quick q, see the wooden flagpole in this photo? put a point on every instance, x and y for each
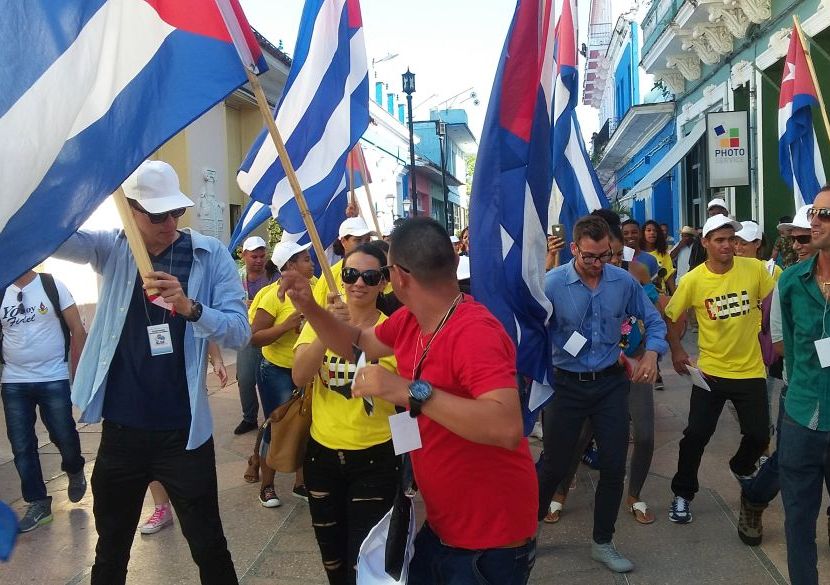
(134, 239)
(364, 175)
(352, 198)
(806, 48)
(271, 124)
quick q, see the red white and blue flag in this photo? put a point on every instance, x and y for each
(512, 189)
(91, 88)
(799, 158)
(574, 173)
(323, 112)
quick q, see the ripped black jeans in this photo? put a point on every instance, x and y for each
(348, 493)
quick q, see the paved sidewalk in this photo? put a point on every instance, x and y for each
(277, 546)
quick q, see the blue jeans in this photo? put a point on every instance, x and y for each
(802, 455)
(19, 402)
(604, 402)
(275, 388)
(435, 563)
(247, 375)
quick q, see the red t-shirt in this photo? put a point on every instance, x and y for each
(477, 496)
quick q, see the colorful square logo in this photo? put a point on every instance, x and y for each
(730, 139)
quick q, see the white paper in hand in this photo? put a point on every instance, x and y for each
(406, 436)
(698, 379)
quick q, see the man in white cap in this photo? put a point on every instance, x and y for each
(254, 278)
(456, 244)
(352, 233)
(697, 255)
(725, 293)
(143, 371)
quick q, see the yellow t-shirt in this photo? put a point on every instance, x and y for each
(321, 289)
(338, 422)
(728, 316)
(664, 261)
(281, 351)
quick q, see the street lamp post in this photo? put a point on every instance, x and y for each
(442, 142)
(409, 89)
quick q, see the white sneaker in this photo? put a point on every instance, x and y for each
(268, 497)
(162, 516)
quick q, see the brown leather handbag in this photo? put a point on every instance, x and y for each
(290, 430)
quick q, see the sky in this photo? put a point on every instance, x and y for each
(452, 46)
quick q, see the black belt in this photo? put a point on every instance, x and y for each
(614, 370)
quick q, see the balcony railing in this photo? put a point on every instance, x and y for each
(601, 138)
(658, 17)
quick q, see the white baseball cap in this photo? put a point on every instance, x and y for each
(285, 250)
(454, 239)
(354, 226)
(253, 243)
(799, 221)
(718, 221)
(717, 202)
(750, 231)
(155, 186)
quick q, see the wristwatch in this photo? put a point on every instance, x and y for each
(419, 392)
(196, 311)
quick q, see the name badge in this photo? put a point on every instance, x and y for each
(406, 436)
(161, 342)
(575, 343)
(823, 351)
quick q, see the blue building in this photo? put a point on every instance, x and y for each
(635, 132)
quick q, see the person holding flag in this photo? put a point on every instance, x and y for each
(143, 371)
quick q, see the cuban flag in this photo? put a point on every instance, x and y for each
(91, 88)
(323, 112)
(257, 213)
(798, 154)
(512, 189)
(574, 173)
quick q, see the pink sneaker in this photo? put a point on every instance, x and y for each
(162, 516)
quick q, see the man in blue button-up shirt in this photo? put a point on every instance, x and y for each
(591, 299)
(143, 370)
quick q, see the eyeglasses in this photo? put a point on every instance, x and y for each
(803, 239)
(370, 277)
(822, 212)
(593, 258)
(398, 266)
(21, 308)
(158, 218)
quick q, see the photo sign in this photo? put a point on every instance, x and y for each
(727, 138)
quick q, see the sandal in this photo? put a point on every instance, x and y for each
(554, 513)
(641, 513)
(252, 473)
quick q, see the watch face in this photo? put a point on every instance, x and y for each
(420, 390)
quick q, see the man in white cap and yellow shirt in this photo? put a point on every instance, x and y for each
(697, 256)
(143, 371)
(725, 292)
(254, 278)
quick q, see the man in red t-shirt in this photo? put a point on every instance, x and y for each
(474, 469)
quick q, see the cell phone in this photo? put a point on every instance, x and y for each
(557, 230)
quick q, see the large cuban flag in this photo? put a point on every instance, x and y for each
(90, 89)
(574, 173)
(512, 189)
(799, 158)
(323, 112)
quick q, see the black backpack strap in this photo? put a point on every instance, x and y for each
(51, 290)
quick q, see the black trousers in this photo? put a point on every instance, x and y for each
(605, 403)
(749, 396)
(348, 493)
(128, 460)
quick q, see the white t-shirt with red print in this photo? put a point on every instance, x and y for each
(33, 343)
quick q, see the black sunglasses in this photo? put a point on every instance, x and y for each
(822, 212)
(370, 277)
(803, 239)
(157, 218)
(21, 308)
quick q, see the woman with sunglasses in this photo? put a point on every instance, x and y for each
(275, 327)
(351, 471)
